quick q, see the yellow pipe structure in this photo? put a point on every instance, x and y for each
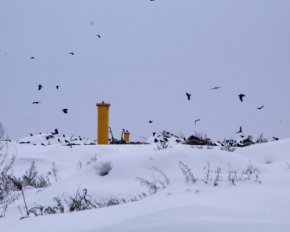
(103, 122)
(126, 136)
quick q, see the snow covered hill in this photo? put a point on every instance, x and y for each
(145, 188)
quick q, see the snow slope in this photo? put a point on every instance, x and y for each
(251, 205)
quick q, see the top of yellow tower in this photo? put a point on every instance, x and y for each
(103, 104)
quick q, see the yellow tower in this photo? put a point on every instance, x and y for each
(103, 122)
(126, 136)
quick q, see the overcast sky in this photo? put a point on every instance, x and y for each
(149, 55)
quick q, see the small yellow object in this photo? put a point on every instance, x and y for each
(103, 122)
(126, 136)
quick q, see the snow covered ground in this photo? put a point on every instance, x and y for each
(247, 202)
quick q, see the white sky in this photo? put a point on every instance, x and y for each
(149, 55)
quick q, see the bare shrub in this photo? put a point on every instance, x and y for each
(7, 196)
(217, 177)
(160, 177)
(207, 174)
(250, 172)
(150, 185)
(229, 145)
(261, 139)
(160, 181)
(31, 178)
(189, 177)
(80, 202)
(93, 159)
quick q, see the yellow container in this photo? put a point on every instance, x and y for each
(126, 136)
(103, 123)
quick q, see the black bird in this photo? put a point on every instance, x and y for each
(32, 58)
(42, 144)
(241, 97)
(195, 121)
(261, 107)
(40, 87)
(57, 86)
(215, 88)
(155, 140)
(188, 95)
(99, 36)
(58, 140)
(150, 121)
(242, 136)
(275, 138)
(240, 130)
(154, 133)
(31, 134)
(56, 131)
(37, 102)
(65, 111)
(71, 53)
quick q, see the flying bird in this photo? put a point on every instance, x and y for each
(71, 53)
(195, 121)
(188, 95)
(65, 111)
(241, 97)
(40, 87)
(37, 102)
(150, 121)
(261, 107)
(215, 88)
(240, 130)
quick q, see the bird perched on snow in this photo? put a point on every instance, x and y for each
(57, 86)
(188, 95)
(241, 97)
(261, 107)
(65, 111)
(154, 133)
(32, 58)
(37, 102)
(40, 87)
(71, 53)
(240, 130)
(150, 121)
(98, 36)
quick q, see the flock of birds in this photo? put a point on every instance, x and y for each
(40, 86)
(65, 110)
(240, 97)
